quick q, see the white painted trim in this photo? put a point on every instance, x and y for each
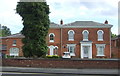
(98, 35)
(100, 55)
(100, 39)
(97, 45)
(90, 50)
(102, 26)
(72, 54)
(71, 44)
(73, 35)
(51, 47)
(101, 31)
(51, 41)
(84, 31)
(70, 39)
(72, 31)
(51, 33)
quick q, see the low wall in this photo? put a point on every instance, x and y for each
(63, 63)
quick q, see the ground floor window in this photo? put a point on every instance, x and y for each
(100, 49)
(14, 52)
(71, 49)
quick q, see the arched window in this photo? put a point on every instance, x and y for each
(51, 36)
(85, 35)
(100, 35)
(71, 35)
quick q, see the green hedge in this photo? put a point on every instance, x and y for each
(53, 56)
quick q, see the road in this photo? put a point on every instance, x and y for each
(44, 74)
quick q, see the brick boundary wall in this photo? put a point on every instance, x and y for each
(63, 63)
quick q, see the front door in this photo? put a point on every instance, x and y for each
(86, 51)
(51, 50)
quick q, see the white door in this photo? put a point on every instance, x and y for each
(86, 51)
(51, 50)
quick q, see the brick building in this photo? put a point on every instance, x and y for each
(115, 47)
(82, 39)
(12, 45)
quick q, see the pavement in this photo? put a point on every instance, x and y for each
(60, 70)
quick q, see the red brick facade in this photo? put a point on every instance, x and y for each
(61, 42)
(115, 47)
(63, 63)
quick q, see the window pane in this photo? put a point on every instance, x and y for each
(51, 37)
(14, 41)
(71, 35)
(85, 35)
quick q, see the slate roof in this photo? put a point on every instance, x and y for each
(82, 24)
(17, 35)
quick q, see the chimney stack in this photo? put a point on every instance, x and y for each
(106, 22)
(61, 22)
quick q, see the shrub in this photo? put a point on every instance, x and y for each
(52, 56)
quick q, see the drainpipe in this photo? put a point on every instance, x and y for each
(61, 23)
(110, 42)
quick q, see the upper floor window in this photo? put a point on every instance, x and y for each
(100, 35)
(51, 36)
(14, 42)
(85, 35)
(71, 35)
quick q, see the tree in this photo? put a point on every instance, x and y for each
(4, 31)
(113, 35)
(36, 25)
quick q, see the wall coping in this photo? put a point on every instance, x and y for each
(72, 59)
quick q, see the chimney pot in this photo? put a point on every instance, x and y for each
(106, 22)
(61, 22)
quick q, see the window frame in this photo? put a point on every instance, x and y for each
(73, 51)
(99, 50)
(84, 36)
(14, 51)
(100, 36)
(69, 36)
(50, 37)
(14, 43)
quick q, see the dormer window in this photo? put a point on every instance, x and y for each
(71, 35)
(85, 35)
(51, 36)
(100, 35)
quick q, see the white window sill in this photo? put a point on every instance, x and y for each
(51, 40)
(100, 55)
(71, 40)
(72, 54)
(100, 39)
(14, 45)
(85, 39)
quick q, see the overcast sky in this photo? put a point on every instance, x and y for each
(67, 10)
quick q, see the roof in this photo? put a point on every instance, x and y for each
(17, 35)
(82, 24)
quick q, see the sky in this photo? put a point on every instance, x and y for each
(67, 10)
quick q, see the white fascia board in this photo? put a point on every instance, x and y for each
(105, 26)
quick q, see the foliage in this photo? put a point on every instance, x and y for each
(113, 35)
(36, 24)
(53, 56)
(4, 31)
